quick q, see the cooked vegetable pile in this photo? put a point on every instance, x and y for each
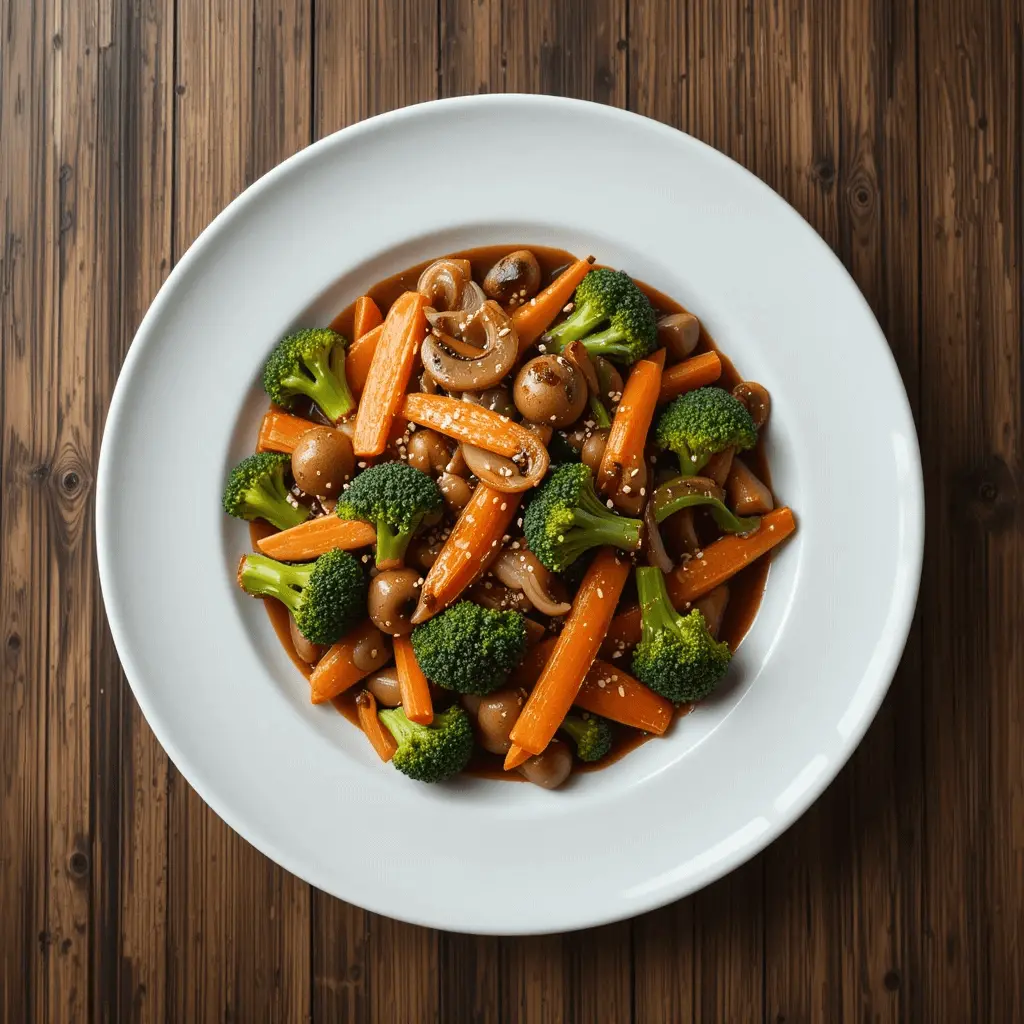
(511, 515)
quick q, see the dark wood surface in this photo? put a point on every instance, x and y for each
(896, 128)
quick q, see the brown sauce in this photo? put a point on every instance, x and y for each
(746, 588)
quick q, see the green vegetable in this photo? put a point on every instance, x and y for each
(430, 753)
(677, 656)
(310, 364)
(470, 649)
(394, 498)
(566, 518)
(257, 489)
(327, 597)
(702, 423)
(591, 734)
(608, 298)
(681, 493)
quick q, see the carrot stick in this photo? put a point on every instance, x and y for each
(412, 683)
(624, 632)
(516, 756)
(280, 431)
(726, 557)
(636, 706)
(367, 316)
(537, 315)
(380, 738)
(574, 651)
(359, 357)
(336, 672)
(390, 369)
(317, 537)
(624, 451)
(690, 374)
(481, 427)
(476, 534)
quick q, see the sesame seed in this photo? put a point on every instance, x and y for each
(610, 503)
(600, 593)
(622, 691)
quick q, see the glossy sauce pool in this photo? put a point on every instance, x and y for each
(746, 588)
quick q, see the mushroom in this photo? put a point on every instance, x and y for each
(496, 399)
(322, 461)
(593, 448)
(456, 491)
(383, 684)
(679, 334)
(712, 606)
(443, 282)
(748, 494)
(371, 651)
(757, 400)
(549, 389)
(631, 493)
(550, 768)
(495, 716)
(496, 596)
(308, 652)
(521, 570)
(428, 452)
(392, 597)
(610, 381)
(458, 366)
(514, 278)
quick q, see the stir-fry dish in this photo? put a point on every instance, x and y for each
(510, 513)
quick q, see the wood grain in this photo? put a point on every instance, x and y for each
(895, 128)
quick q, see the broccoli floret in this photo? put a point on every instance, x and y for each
(702, 423)
(470, 649)
(566, 518)
(310, 363)
(394, 498)
(256, 489)
(430, 753)
(611, 298)
(591, 734)
(677, 656)
(327, 597)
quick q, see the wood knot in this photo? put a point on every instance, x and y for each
(14, 642)
(892, 980)
(860, 194)
(70, 481)
(78, 864)
(824, 172)
(987, 495)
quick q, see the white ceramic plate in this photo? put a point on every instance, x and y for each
(303, 785)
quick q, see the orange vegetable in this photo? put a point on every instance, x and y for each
(726, 557)
(483, 428)
(335, 672)
(315, 537)
(412, 683)
(516, 756)
(624, 632)
(624, 451)
(280, 431)
(474, 538)
(635, 706)
(536, 316)
(380, 738)
(359, 357)
(367, 316)
(390, 369)
(574, 651)
(690, 374)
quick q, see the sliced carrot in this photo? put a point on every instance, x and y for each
(624, 632)
(724, 558)
(359, 357)
(367, 316)
(390, 369)
(336, 672)
(690, 374)
(280, 431)
(574, 651)
(315, 537)
(412, 683)
(475, 536)
(536, 316)
(516, 756)
(483, 428)
(380, 738)
(624, 451)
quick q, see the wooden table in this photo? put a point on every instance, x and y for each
(895, 128)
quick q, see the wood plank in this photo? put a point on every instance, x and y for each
(972, 260)
(146, 53)
(370, 58)
(533, 983)
(238, 927)
(28, 325)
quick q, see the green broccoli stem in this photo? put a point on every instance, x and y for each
(574, 728)
(391, 546)
(270, 501)
(599, 412)
(328, 387)
(668, 501)
(689, 464)
(266, 577)
(580, 322)
(609, 342)
(617, 531)
(397, 724)
(656, 611)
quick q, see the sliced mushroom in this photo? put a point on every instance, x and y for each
(498, 597)
(712, 606)
(514, 278)
(679, 334)
(757, 400)
(521, 570)
(748, 495)
(443, 282)
(465, 367)
(428, 452)
(392, 597)
(593, 448)
(719, 465)
(496, 399)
